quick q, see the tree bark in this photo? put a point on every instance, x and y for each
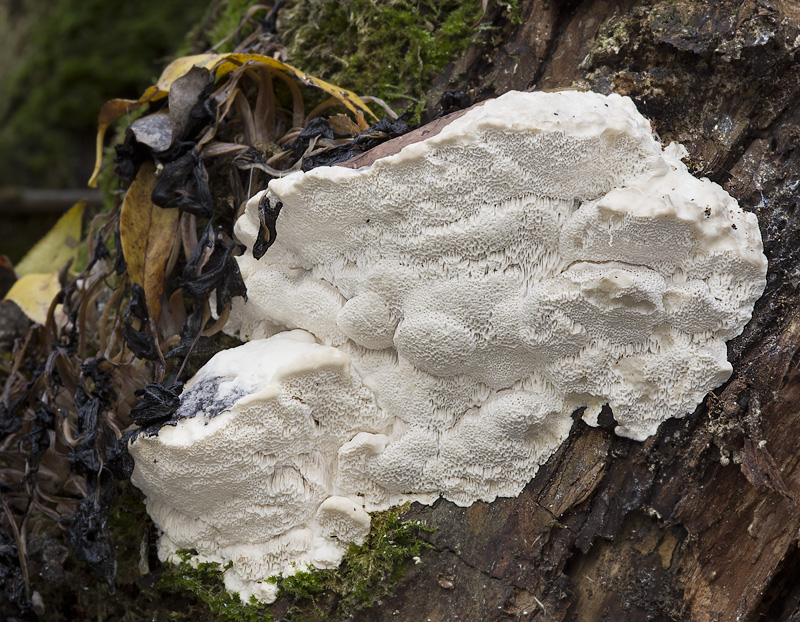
(699, 522)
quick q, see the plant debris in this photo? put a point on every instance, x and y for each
(123, 320)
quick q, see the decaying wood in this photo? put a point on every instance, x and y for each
(701, 521)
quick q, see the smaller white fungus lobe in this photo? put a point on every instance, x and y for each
(462, 299)
(253, 484)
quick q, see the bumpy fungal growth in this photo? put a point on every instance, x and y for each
(252, 485)
(540, 254)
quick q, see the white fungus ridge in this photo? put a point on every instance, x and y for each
(448, 309)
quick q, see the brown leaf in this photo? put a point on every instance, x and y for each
(147, 233)
(342, 124)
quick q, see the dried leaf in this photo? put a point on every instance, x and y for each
(220, 64)
(344, 126)
(225, 63)
(212, 267)
(383, 131)
(158, 402)
(33, 293)
(140, 342)
(184, 94)
(160, 129)
(267, 216)
(57, 247)
(110, 112)
(183, 183)
(147, 233)
(154, 130)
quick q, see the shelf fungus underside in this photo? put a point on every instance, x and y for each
(428, 325)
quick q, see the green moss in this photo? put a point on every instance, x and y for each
(129, 524)
(367, 574)
(388, 48)
(227, 20)
(204, 582)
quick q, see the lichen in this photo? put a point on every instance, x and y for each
(611, 38)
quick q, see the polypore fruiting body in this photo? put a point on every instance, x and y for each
(246, 475)
(541, 254)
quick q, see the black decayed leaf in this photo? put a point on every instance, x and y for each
(267, 216)
(130, 155)
(183, 183)
(88, 527)
(202, 113)
(100, 251)
(84, 457)
(120, 265)
(118, 459)
(212, 267)
(12, 578)
(232, 284)
(201, 255)
(141, 343)
(453, 101)
(383, 130)
(99, 371)
(316, 128)
(190, 334)
(137, 307)
(269, 23)
(190, 110)
(37, 440)
(158, 403)
(10, 421)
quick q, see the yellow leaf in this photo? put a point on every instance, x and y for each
(222, 64)
(147, 233)
(110, 112)
(33, 293)
(226, 63)
(57, 247)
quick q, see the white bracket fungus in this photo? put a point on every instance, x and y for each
(541, 254)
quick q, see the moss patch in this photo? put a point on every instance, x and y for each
(367, 574)
(204, 582)
(388, 48)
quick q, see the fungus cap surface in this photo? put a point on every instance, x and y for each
(541, 254)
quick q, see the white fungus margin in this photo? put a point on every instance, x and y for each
(458, 301)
